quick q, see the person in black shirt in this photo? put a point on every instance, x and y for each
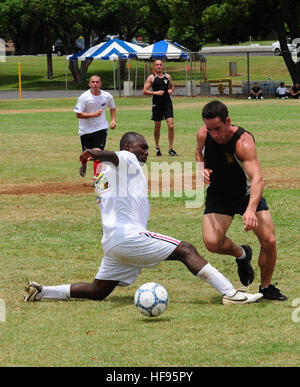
(162, 107)
(256, 92)
(235, 186)
(295, 91)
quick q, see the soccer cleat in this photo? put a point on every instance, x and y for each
(158, 152)
(272, 293)
(31, 290)
(172, 152)
(241, 298)
(245, 270)
(82, 170)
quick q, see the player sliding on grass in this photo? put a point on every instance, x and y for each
(122, 194)
(235, 186)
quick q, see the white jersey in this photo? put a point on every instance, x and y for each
(122, 196)
(88, 103)
(281, 90)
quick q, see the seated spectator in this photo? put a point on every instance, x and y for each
(282, 91)
(255, 92)
(295, 91)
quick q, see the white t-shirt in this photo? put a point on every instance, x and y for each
(281, 90)
(88, 103)
(122, 197)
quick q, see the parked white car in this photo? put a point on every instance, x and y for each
(277, 50)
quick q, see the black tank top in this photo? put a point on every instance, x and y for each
(228, 178)
(161, 84)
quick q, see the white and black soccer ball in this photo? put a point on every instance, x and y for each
(151, 299)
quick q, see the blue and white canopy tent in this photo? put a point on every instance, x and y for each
(114, 50)
(163, 50)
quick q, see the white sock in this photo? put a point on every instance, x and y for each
(60, 292)
(216, 279)
(243, 255)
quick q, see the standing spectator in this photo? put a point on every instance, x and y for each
(282, 91)
(255, 92)
(93, 126)
(162, 107)
(295, 91)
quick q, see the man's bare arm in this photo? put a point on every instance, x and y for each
(101, 155)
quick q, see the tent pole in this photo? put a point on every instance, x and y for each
(136, 69)
(119, 74)
(114, 75)
(186, 73)
(191, 72)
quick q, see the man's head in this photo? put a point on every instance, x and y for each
(217, 122)
(135, 143)
(255, 84)
(95, 84)
(158, 66)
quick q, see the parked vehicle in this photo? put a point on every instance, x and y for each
(58, 48)
(277, 49)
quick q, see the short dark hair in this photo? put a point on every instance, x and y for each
(129, 137)
(215, 109)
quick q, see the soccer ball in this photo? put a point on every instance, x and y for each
(151, 299)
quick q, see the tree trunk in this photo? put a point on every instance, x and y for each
(79, 73)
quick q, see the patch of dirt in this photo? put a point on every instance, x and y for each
(47, 188)
(86, 188)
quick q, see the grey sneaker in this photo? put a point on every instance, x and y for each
(172, 152)
(31, 290)
(241, 298)
(82, 170)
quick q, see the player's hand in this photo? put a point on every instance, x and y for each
(170, 91)
(97, 113)
(160, 92)
(206, 175)
(113, 124)
(88, 155)
(250, 220)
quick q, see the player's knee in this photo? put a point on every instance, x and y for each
(186, 250)
(269, 241)
(213, 244)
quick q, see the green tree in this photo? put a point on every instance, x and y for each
(187, 27)
(233, 21)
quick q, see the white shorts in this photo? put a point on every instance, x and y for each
(125, 261)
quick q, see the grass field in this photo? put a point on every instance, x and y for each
(34, 71)
(50, 232)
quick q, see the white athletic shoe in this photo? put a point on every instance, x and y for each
(31, 290)
(240, 298)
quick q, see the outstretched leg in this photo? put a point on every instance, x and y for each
(97, 290)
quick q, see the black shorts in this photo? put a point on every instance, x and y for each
(162, 112)
(219, 205)
(94, 140)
